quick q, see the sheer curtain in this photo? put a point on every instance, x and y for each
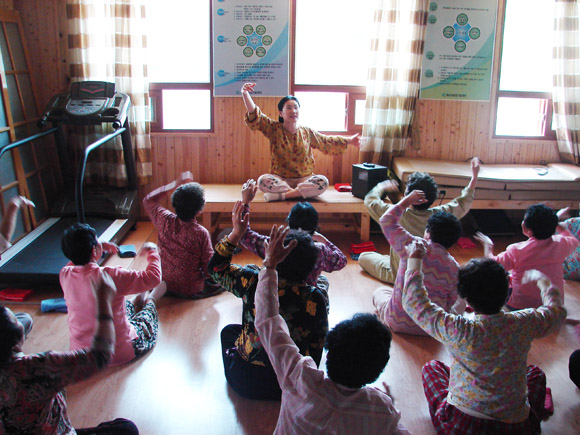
(107, 42)
(566, 91)
(394, 78)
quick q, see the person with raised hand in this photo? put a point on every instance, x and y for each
(339, 401)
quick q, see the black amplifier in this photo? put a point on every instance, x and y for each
(366, 176)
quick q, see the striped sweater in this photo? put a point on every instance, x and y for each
(439, 269)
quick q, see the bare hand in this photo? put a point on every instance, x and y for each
(110, 248)
(475, 166)
(354, 140)
(564, 214)
(149, 246)
(388, 186)
(185, 177)
(415, 197)
(249, 190)
(22, 201)
(240, 222)
(276, 252)
(417, 249)
(533, 275)
(248, 87)
(317, 237)
(483, 239)
(387, 390)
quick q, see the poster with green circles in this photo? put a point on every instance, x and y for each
(250, 44)
(457, 59)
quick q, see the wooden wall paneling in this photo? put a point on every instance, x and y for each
(203, 157)
(469, 127)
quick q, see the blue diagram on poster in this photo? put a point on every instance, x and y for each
(251, 40)
(459, 46)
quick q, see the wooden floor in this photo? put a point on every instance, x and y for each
(179, 388)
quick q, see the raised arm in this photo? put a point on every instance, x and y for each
(475, 172)
(486, 242)
(249, 190)
(185, 177)
(248, 102)
(8, 224)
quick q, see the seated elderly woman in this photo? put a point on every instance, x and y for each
(246, 365)
(33, 398)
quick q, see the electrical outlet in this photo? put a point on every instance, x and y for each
(442, 192)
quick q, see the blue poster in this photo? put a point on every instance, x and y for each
(251, 44)
(457, 60)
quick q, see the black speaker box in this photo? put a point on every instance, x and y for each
(366, 176)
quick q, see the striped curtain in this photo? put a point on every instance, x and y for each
(394, 78)
(107, 42)
(566, 90)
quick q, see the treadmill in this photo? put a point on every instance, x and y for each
(36, 260)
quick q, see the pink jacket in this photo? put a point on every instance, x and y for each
(76, 285)
(546, 255)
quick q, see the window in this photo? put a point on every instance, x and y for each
(180, 65)
(524, 99)
(330, 78)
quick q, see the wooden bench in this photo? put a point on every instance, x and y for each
(220, 200)
(500, 186)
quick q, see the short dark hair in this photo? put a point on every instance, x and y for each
(444, 228)
(283, 101)
(484, 283)
(541, 221)
(10, 334)
(188, 200)
(358, 350)
(301, 260)
(425, 182)
(77, 243)
(303, 216)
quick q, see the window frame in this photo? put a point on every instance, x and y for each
(549, 134)
(353, 93)
(156, 93)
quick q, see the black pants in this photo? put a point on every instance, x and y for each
(119, 426)
(249, 380)
(574, 367)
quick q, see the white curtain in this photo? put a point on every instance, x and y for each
(107, 42)
(566, 90)
(394, 78)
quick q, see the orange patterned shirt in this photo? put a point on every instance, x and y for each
(291, 153)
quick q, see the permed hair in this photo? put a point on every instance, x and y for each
(358, 350)
(10, 334)
(444, 228)
(188, 200)
(303, 216)
(301, 260)
(425, 182)
(77, 243)
(484, 283)
(541, 220)
(283, 101)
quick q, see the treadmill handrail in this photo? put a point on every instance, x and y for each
(81, 172)
(26, 140)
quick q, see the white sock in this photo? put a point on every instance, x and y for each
(269, 197)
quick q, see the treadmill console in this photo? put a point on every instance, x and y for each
(88, 103)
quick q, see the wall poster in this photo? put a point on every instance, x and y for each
(458, 55)
(251, 44)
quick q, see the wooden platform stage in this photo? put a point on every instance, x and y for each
(220, 200)
(179, 388)
(514, 187)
